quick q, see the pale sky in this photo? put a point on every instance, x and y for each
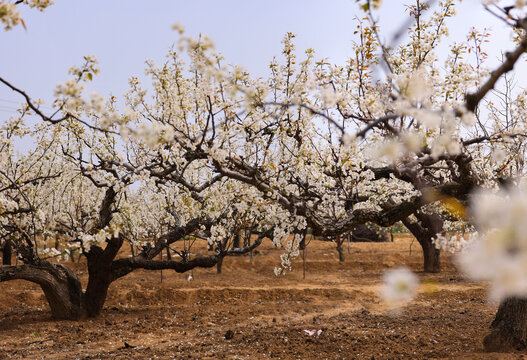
(122, 34)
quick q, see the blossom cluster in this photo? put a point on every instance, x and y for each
(10, 15)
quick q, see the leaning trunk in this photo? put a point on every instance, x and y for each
(60, 285)
(509, 328)
(65, 297)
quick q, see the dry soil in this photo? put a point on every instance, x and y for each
(249, 313)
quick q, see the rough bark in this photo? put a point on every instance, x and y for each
(509, 328)
(425, 229)
(98, 283)
(62, 288)
(100, 274)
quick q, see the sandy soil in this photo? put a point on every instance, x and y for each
(248, 313)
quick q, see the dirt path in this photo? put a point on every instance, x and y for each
(265, 315)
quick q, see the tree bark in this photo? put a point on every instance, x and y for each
(60, 285)
(509, 328)
(431, 256)
(65, 297)
(219, 265)
(63, 289)
(341, 253)
(100, 274)
(339, 240)
(7, 252)
(425, 229)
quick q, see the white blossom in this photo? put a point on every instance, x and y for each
(399, 286)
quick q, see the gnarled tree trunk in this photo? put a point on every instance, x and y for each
(509, 328)
(60, 285)
(425, 228)
(63, 289)
(100, 274)
(96, 291)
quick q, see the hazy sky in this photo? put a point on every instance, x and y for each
(122, 34)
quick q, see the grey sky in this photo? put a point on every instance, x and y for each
(124, 33)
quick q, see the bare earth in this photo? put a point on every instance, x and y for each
(266, 316)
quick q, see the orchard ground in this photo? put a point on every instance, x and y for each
(247, 312)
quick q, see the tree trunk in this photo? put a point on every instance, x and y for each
(339, 240)
(60, 285)
(431, 256)
(100, 274)
(7, 252)
(341, 253)
(65, 297)
(219, 265)
(509, 328)
(98, 283)
(425, 229)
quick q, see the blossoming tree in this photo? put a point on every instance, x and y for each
(340, 148)
(396, 134)
(75, 187)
